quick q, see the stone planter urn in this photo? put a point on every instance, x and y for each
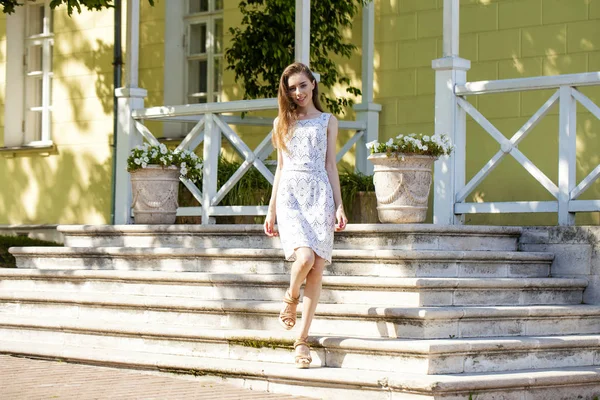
(402, 186)
(154, 192)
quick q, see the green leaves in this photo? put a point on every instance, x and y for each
(264, 46)
(8, 6)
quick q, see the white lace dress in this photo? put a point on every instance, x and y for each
(305, 207)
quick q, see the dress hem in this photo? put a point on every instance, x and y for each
(292, 256)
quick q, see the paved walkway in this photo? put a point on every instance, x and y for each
(27, 379)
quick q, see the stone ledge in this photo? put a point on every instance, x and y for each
(196, 278)
(339, 383)
(338, 254)
(361, 311)
(238, 229)
(286, 339)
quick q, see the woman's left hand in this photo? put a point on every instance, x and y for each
(342, 220)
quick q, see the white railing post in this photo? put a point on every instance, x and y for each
(212, 148)
(367, 110)
(450, 119)
(567, 155)
(302, 43)
(128, 99)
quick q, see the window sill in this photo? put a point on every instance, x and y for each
(43, 149)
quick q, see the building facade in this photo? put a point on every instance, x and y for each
(56, 92)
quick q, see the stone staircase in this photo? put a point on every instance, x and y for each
(407, 311)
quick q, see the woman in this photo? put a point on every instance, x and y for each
(306, 197)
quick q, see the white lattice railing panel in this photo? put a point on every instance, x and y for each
(568, 190)
(508, 147)
(210, 125)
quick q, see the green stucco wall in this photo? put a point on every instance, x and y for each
(503, 39)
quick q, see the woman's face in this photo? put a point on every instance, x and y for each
(300, 89)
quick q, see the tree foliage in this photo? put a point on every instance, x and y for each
(8, 6)
(264, 45)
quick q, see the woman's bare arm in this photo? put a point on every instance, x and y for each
(332, 173)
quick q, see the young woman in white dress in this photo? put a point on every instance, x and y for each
(306, 198)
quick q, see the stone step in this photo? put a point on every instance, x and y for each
(367, 236)
(399, 263)
(336, 289)
(434, 357)
(338, 383)
(331, 319)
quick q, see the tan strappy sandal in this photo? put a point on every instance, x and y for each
(286, 314)
(302, 361)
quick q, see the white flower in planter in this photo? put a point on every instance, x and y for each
(372, 144)
(415, 144)
(186, 161)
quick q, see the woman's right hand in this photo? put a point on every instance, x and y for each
(270, 224)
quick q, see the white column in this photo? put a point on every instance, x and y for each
(567, 155)
(133, 43)
(129, 99)
(367, 110)
(302, 43)
(368, 51)
(174, 92)
(211, 150)
(451, 28)
(450, 119)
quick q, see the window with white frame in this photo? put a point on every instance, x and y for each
(204, 50)
(39, 42)
(30, 42)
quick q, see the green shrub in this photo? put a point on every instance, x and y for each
(252, 189)
(350, 184)
(6, 259)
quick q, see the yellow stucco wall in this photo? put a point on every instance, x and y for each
(73, 184)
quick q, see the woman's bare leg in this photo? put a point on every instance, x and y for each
(312, 292)
(305, 258)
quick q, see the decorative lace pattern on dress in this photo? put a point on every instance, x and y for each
(305, 207)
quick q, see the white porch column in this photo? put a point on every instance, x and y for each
(450, 119)
(302, 42)
(133, 43)
(367, 110)
(129, 98)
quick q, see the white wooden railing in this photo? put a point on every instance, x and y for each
(567, 191)
(210, 126)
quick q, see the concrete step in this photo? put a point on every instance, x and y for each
(359, 236)
(362, 262)
(336, 289)
(339, 383)
(434, 357)
(331, 319)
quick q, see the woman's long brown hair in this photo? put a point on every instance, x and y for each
(287, 108)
